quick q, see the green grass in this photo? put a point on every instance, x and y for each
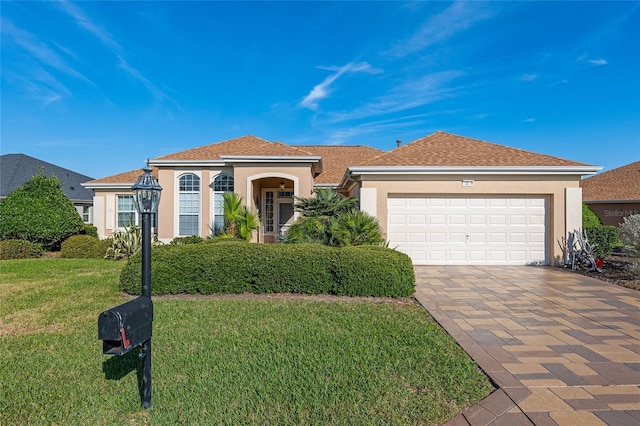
(221, 361)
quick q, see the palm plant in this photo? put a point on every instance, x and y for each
(334, 220)
(356, 228)
(239, 221)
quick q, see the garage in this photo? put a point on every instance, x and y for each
(449, 230)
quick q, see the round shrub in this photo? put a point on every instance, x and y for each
(191, 239)
(82, 246)
(19, 249)
(605, 238)
(91, 230)
(373, 271)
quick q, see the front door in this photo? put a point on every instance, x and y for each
(285, 215)
(277, 213)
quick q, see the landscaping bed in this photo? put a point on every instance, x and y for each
(616, 269)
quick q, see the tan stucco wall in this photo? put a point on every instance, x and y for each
(296, 177)
(551, 187)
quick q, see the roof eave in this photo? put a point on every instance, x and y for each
(623, 201)
(475, 170)
(108, 185)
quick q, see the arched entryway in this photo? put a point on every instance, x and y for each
(272, 196)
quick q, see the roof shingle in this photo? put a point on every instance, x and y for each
(245, 145)
(446, 149)
(336, 159)
(621, 184)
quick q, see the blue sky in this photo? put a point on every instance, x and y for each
(98, 87)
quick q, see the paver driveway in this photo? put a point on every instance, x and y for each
(564, 349)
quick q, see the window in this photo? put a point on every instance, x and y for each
(268, 211)
(221, 184)
(188, 204)
(127, 212)
(86, 214)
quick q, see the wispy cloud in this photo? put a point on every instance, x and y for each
(528, 120)
(110, 43)
(410, 94)
(530, 77)
(598, 62)
(457, 18)
(322, 90)
(39, 50)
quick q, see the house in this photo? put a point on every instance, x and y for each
(17, 169)
(615, 194)
(442, 199)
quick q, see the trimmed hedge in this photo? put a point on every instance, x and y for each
(373, 271)
(84, 246)
(231, 267)
(605, 238)
(19, 249)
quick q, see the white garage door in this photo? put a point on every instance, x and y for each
(468, 231)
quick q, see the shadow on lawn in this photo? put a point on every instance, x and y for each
(117, 367)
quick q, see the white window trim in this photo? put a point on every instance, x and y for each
(212, 206)
(177, 174)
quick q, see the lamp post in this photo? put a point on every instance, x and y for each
(146, 193)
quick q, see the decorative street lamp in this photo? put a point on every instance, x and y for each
(129, 325)
(146, 193)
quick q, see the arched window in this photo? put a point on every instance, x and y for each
(221, 184)
(188, 204)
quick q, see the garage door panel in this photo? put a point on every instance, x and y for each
(457, 219)
(437, 219)
(417, 237)
(458, 230)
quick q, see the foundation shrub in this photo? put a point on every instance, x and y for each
(605, 239)
(82, 246)
(238, 267)
(91, 230)
(373, 271)
(191, 239)
(19, 249)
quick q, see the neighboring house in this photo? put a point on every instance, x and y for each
(442, 199)
(17, 169)
(615, 194)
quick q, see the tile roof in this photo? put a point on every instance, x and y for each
(621, 184)
(245, 145)
(446, 149)
(336, 159)
(17, 169)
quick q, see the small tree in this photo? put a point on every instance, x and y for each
(38, 211)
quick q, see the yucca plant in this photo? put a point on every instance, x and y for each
(125, 242)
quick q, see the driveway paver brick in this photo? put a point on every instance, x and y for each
(563, 348)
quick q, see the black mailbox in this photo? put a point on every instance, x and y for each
(126, 326)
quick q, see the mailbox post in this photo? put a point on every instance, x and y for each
(129, 325)
(146, 193)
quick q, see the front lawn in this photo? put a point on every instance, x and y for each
(221, 361)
